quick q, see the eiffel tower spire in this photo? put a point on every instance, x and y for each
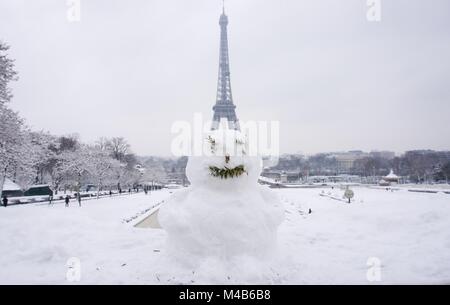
(224, 107)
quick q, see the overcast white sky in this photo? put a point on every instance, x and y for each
(334, 80)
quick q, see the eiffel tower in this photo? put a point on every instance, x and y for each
(224, 108)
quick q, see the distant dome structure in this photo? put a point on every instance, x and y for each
(391, 178)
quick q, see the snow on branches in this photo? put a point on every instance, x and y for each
(29, 157)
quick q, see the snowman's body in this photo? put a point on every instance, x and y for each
(218, 216)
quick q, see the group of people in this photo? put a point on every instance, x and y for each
(50, 200)
(77, 197)
(66, 199)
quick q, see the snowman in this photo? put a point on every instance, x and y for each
(225, 213)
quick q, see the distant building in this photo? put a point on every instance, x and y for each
(283, 176)
(11, 189)
(383, 154)
(39, 190)
(274, 175)
(334, 179)
(176, 177)
(346, 161)
(392, 178)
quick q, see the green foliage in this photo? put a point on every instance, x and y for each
(213, 144)
(225, 172)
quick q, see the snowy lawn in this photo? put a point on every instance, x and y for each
(37, 241)
(408, 232)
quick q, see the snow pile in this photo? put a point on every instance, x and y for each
(218, 220)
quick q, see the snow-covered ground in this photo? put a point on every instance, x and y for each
(409, 233)
(38, 240)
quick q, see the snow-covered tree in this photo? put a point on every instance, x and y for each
(12, 153)
(118, 147)
(101, 166)
(58, 166)
(41, 151)
(75, 164)
(132, 177)
(349, 194)
(58, 173)
(7, 74)
(119, 175)
(37, 157)
(11, 125)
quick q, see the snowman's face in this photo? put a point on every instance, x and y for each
(225, 160)
(224, 143)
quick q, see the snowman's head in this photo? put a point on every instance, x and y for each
(225, 161)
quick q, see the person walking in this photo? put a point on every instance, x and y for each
(67, 201)
(50, 198)
(79, 199)
(5, 201)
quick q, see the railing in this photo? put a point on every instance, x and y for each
(73, 196)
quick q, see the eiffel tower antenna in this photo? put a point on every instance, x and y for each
(224, 108)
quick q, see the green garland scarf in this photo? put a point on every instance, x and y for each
(225, 173)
